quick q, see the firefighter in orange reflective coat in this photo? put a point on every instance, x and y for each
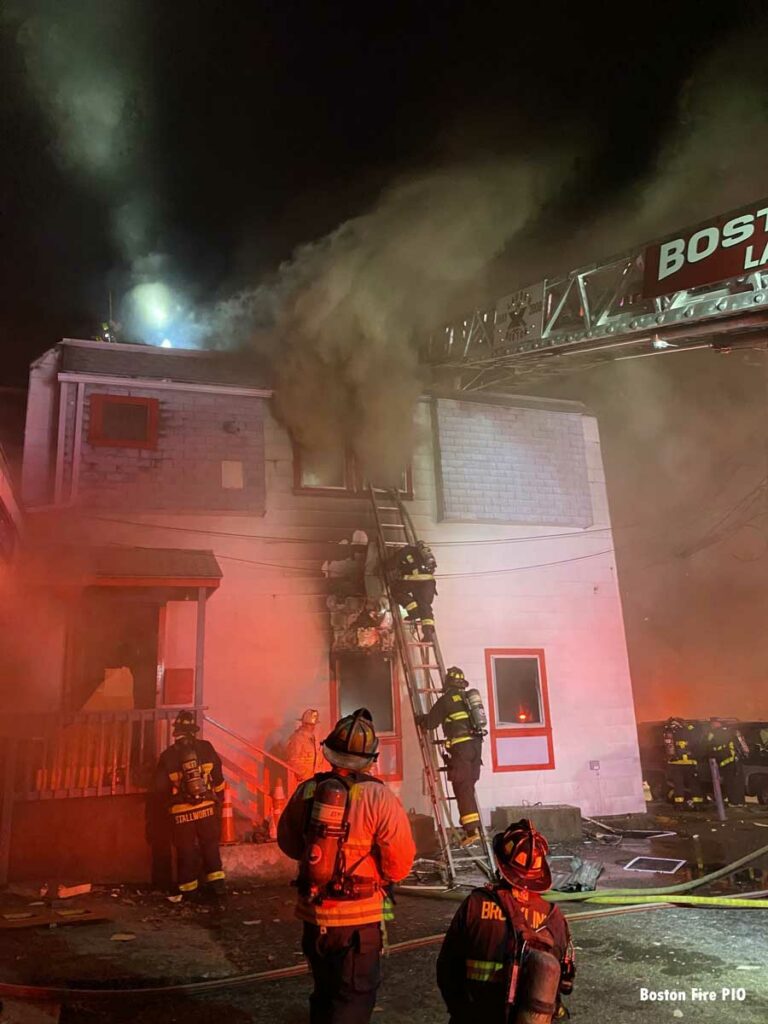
(302, 751)
(350, 851)
(506, 941)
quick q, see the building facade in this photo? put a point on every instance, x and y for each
(167, 478)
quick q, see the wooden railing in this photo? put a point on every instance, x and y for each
(99, 753)
(251, 772)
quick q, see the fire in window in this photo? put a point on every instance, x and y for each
(518, 691)
(122, 421)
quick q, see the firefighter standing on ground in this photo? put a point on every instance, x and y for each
(302, 751)
(464, 747)
(413, 585)
(682, 743)
(506, 947)
(352, 839)
(726, 744)
(189, 777)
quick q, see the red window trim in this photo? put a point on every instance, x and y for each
(505, 731)
(387, 739)
(96, 435)
(355, 486)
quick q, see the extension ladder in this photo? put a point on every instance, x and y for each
(424, 672)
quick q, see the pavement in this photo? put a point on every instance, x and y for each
(683, 953)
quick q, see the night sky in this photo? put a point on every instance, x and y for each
(202, 143)
(255, 127)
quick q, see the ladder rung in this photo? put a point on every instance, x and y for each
(420, 643)
(392, 526)
(387, 508)
(417, 668)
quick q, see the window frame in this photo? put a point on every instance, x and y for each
(386, 739)
(355, 484)
(507, 731)
(96, 436)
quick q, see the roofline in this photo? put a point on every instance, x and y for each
(153, 383)
(153, 350)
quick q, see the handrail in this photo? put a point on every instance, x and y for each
(247, 743)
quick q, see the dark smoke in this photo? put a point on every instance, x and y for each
(348, 310)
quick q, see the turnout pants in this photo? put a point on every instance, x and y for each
(686, 783)
(346, 967)
(196, 838)
(463, 773)
(416, 596)
(732, 778)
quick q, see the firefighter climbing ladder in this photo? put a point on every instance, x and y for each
(424, 672)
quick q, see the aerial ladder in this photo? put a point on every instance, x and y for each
(424, 672)
(704, 286)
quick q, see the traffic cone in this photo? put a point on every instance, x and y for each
(278, 806)
(228, 835)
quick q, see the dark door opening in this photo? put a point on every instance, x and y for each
(113, 630)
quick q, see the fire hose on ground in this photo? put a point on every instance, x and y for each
(617, 901)
(638, 895)
(61, 994)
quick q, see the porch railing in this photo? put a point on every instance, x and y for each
(251, 772)
(99, 753)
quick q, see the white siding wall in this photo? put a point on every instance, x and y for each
(267, 630)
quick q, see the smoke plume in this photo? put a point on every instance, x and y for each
(347, 309)
(87, 68)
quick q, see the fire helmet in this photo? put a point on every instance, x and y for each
(185, 724)
(359, 538)
(310, 716)
(675, 723)
(352, 743)
(521, 855)
(455, 677)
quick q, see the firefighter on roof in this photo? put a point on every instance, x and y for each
(352, 839)
(189, 777)
(302, 752)
(682, 742)
(508, 955)
(460, 713)
(726, 744)
(413, 584)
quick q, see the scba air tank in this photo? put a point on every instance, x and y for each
(325, 830)
(537, 987)
(477, 715)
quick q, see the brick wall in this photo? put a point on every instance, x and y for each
(503, 464)
(197, 433)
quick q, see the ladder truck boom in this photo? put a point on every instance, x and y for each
(704, 284)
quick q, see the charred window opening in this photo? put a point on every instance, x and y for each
(121, 421)
(337, 473)
(366, 681)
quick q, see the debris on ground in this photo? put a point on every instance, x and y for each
(577, 875)
(122, 937)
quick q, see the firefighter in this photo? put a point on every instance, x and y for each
(413, 585)
(190, 779)
(302, 751)
(726, 744)
(682, 743)
(506, 941)
(463, 748)
(352, 838)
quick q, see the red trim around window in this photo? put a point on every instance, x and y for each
(394, 739)
(516, 731)
(96, 435)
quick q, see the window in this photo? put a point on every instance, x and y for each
(368, 681)
(336, 473)
(122, 421)
(520, 725)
